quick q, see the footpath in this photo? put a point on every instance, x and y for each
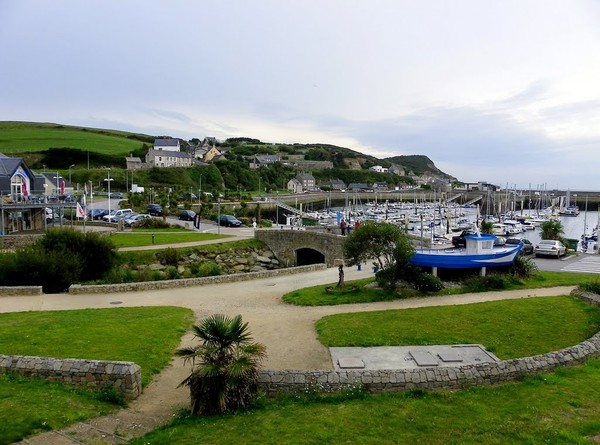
(287, 331)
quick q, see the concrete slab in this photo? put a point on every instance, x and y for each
(403, 357)
(350, 363)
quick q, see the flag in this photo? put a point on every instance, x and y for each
(62, 187)
(80, 212)
(24, 188)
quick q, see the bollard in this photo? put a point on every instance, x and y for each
(153, 238)
(360, 267)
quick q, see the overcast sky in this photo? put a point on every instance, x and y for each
(501, 91)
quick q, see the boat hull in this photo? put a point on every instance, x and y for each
(459, 259)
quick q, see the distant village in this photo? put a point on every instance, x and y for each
(168, 153)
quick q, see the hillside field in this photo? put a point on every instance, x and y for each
(17, 138)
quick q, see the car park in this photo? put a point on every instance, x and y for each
(187, 215)
(527, 248)
(97, 213)
(154, 210)
(135, 218)
(547, 247)
(229, 221)
(115, 215)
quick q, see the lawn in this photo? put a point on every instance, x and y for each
(508, 328)
(358, 291)
(160, 237)
(556, 408)
(20, 137)
(147, 336)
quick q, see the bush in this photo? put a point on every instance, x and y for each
(428, 283)
(209, 269)
(489, 282)
(172, 273)
(168, 256)
(523, 267)
(591, 286)
(152, 223)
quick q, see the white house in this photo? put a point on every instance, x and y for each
(162, 158)
(167, 144)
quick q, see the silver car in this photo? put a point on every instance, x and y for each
(550, 247)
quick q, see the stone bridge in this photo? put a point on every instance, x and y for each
(303, 247)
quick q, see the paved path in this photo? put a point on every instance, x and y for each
(287, 331)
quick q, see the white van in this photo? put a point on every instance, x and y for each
(116, 215)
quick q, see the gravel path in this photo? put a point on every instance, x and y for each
(287, 331)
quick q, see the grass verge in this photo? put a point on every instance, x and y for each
(160, 237)
(557, 408)
(508, 328)
(146, 336)
(358, 292)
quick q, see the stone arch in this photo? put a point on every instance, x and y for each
(306, 256)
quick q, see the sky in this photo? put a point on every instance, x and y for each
(506, 92)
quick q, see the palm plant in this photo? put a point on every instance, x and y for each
(552, 229)
(224, 366)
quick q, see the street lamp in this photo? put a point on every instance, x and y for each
(57, 177)
(108, 180)
(70, 166)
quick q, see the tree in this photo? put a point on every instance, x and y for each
(552, 229)
(486, 227)
(224, 366)
(385, 243)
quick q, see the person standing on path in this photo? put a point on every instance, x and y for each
(343, 227)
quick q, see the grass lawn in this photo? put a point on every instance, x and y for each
(20, 137)
(509, 328)
(558, 408)
(161, 237)
(145, 335)
(356, 292)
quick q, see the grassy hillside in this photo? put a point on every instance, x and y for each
(18, 138)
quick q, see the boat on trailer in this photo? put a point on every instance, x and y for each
(479, 252)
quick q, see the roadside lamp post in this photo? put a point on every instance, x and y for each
(108, 180)
(57, 177)
(70, 167)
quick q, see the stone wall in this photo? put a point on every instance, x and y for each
(458, 377)
(189, 282)
(9, 291)
(12, 242)
(284, 244)
(123, 377)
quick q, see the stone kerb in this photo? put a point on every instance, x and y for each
(378, 381)
(123, 377)
(189, 282)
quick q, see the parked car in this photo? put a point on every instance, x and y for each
(499, 241)
(550, 247)
(116, 195)
(133, 219)
(187, 215)
(527, 248)
(154, 210)
(97, 213)
(116, 215)
(229, 221)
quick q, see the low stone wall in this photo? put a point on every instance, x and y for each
(123, 377)
(8, 291)
(378, 381)
(189, 282)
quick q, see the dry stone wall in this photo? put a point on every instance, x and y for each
(123, 377)
(429, 378)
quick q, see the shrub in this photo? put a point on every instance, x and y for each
(591, 286)
(523, 267)
(209, 269)
(172, 273)
(168, 256)
(489, 282)
(153, 223)
(428, 283)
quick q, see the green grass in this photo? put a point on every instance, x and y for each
(22, 137)
(509, 328)
(356, 292)
(161, 237)
(32, 406)
(146, 336)
(557, 408)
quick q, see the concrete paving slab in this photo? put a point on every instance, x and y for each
(411, 357)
